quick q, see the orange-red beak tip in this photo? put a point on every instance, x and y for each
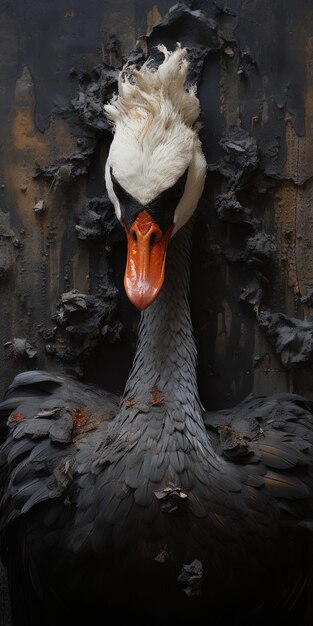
(141, 296)
(147, 247)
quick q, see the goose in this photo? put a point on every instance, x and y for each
(148, 510)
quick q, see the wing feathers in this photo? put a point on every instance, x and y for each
(285, 486)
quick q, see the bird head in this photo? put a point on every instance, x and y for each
(155, 169)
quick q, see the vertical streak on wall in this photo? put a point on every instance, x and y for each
(38, 271)
(121, 22)
(304, 222)
(22, 147)
(294, 213)
(229, 107)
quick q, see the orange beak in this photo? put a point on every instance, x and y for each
(147, 247)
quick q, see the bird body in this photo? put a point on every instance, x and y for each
(146, 509)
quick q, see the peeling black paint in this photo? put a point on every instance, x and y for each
(95, 88)
(21, 348)
(260, 250)
(98, 221)
(292, 338)
(240, 157)
(65, 170)
(252, 293)
(84, 322)
(193, 29)
(230, 210)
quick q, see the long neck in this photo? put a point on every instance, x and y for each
(164, 369)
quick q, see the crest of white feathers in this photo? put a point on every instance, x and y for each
(155, 136)
(155, 95)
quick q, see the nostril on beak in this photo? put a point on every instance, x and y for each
(134, 236)
(153, 239)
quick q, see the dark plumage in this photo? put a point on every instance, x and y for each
(85, 521)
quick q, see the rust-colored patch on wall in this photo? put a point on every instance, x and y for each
(304, 243)
(285, 217)
(229, 100)
(229, 90)
(38, 268)
(294, 206)
(26, 147)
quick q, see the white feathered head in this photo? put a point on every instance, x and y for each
(155, 169)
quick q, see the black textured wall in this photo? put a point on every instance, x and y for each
(252, 262)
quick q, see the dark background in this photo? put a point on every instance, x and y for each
(252, 270)
(252, 261)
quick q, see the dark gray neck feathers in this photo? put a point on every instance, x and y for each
(158, 437)
(162, 385)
